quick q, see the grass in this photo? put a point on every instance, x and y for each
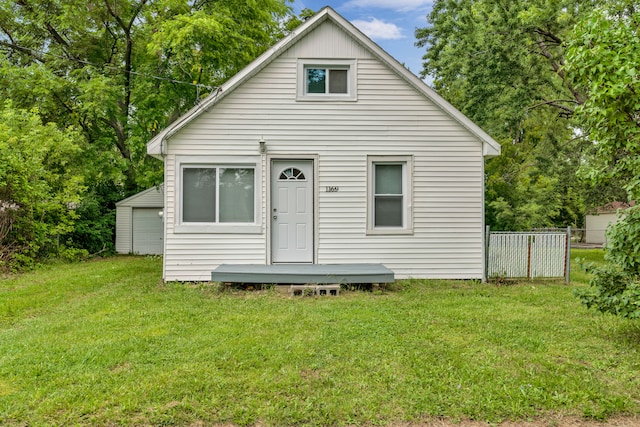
(107, 343)
(582, 256)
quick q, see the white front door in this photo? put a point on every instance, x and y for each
(292, 211)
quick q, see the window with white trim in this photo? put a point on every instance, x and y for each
(326, 80)
(218, 194)
(390, 198)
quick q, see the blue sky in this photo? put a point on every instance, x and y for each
(390, 23)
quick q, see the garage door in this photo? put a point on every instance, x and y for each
(147, 231)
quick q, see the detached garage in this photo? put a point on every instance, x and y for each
(597, 223)
(139, 223)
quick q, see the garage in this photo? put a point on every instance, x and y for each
(139, 226)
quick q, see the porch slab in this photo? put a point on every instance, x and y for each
(302, 273)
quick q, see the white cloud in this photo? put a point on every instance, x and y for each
(397, 5)
(379, 30)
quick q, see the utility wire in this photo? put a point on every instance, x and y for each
(11, 48)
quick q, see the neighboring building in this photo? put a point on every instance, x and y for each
(596, 224)
(139, 225)
(324, 150)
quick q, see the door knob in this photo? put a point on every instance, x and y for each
(275, 217)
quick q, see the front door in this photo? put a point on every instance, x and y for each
(292, 211)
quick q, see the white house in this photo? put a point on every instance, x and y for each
(139, 225)
(324, 150)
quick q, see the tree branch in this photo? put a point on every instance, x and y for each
(548, 35)
(555, 103)
(32, 53)
(121, 128)
(557, 68)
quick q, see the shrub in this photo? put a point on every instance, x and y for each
(615, 287)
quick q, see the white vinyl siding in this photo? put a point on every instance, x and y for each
(390, 118)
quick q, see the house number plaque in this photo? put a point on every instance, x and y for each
(331, 189)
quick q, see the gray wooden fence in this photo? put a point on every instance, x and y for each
(536, 254)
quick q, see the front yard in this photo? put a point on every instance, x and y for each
(106, 343)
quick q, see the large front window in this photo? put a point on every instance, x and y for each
(218, 194)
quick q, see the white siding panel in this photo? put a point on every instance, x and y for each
(124, 222)
(389, 117)
(596, 227)
(328, 41)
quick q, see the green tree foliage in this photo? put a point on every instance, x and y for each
(119, 71)
(615, 287)
(122, 70)
(39, 186)
(502, 64)
(603, 59)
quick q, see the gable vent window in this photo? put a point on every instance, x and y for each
(326, 80)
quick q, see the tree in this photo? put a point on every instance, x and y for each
(502, 64)
(122, 70)
(603, 59)
(39, 186)
(615, 287)
(119, 71)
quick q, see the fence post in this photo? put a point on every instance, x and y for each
(485, 274)
(529, 241)
(567, 254)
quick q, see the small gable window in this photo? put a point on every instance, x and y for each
(328, 80)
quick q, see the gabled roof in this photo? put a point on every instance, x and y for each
(613, 207)
(131, 200)
(155, 147)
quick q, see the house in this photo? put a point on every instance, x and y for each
(324, 150)
(597, 222)
(139, 225)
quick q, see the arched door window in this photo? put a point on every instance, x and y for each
(291, 174)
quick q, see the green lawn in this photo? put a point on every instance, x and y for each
(106, 343)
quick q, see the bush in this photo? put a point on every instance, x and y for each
(615, 287)
(40, 183)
